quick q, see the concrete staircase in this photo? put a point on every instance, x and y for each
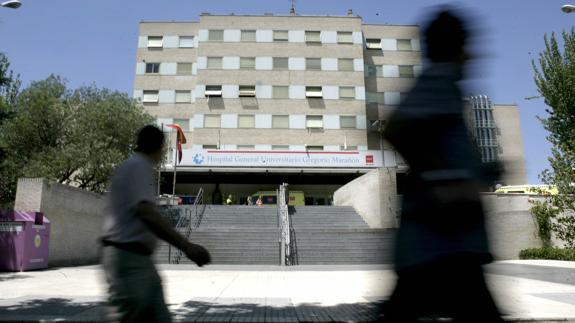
(235, 235)
(337, 235)
(323, 235)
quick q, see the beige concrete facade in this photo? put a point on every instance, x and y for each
(511, 151)
(233, 47)
(362, 70)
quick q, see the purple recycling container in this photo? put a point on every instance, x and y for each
(24, 241)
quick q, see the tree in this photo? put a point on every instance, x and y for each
(555, 80)
(9, 86)
(73, 137)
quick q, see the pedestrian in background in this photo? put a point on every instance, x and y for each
(132, 224)
(441, 243)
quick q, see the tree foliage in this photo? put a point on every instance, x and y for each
(555, 80)
(75, 137)
(9, 86)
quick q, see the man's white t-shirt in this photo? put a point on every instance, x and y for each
(133, 182)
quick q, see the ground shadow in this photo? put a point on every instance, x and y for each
(12, 276)
(48, 307)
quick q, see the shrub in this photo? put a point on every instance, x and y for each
(567, 254)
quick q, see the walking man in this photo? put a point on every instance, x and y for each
(441, 243)
(131, 226)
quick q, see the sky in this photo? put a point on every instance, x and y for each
(94, 42)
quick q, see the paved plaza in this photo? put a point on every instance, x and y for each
(527, 291)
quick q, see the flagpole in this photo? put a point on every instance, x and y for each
(160, 167)
(175, 170)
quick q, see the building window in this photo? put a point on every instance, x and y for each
(313, 92)
(246, 147)
(404, 44)
(374, 70)
(216, 35)
(314, 148)
(215, 63)
(280, 63)
(152, 68)
(186, 41)
(248, 35)
(248, 63)
(280, 92)
(406, 71)
(151, 96)
(155, 41)
(183, 123)
(313, 64)
(375, 97)
(280, 147)
(348, 148)
(246, 121)
(247, 91)
(281, 35)
(347, 92)
(314, 122)
(214, 91)
(280, 122)
(184, 68)
(313, 37)
(347, 122)
(344, 37)
(210, 147)
(183, 96)
(212, 121)
(373, 43)
(345, 64)
(370, 70)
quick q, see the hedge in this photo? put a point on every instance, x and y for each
(548, 253)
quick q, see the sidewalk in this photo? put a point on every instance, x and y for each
(527, 291)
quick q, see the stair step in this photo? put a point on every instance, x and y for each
(249, 235)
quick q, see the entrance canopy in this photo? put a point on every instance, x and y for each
(280, 159)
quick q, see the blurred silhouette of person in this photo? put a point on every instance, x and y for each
(250, 201)
(131, 225)
(441, 243)
(259, 201)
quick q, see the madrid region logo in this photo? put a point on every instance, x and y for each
(198, 159)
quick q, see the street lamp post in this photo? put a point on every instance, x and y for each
(12, 4)
(568, 8)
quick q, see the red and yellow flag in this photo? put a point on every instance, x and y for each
(180, 139)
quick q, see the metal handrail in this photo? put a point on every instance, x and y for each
(190, 221)
(286, 230)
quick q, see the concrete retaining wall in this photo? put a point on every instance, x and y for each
(373, 196)
(76, 216)
(510, 224)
